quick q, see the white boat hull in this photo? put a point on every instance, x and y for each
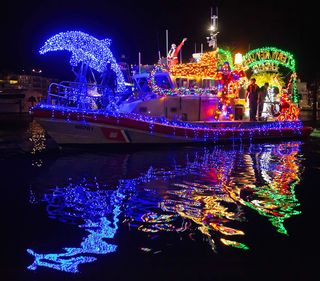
(74, 132)
(102, 128)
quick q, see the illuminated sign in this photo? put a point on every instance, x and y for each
(270, 55)
(267, 66)
(268, 59)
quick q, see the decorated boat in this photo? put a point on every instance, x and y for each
(200, 101)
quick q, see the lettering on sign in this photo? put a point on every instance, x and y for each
(84, 127)
(269, 55)
(267, 66)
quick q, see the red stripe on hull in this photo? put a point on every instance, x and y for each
(205, 133)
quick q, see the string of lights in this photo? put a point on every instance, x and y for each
(85, 49)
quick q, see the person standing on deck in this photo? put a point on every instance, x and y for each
(109, 79)
(173, 53)
(252, 95)
(261, 98)
(109, 85)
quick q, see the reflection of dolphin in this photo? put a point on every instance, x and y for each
(100, 227)
(85, 49)
(206, 193)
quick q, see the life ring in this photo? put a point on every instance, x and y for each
(275, 109)
(152, 83)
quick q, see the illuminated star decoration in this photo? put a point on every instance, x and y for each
(85, 49)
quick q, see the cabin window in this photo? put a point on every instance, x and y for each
(143, 109)
(207, 83)
(182, 82)
(192, 83)
(143, 84)
(162, 81)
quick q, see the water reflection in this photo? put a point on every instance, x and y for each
(207, 193)
(96, 211)
(270, 176)
(37, 139)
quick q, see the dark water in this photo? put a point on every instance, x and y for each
(220, 212)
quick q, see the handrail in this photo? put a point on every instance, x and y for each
(69, 93)
(81, 95)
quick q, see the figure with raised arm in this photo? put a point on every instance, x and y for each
(173, 53)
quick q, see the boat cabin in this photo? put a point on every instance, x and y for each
(184, 107)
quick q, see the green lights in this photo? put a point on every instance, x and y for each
(272, 57)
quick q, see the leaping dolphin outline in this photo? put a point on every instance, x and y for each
(85, 49)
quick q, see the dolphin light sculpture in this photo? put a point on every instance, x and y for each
(85, 49)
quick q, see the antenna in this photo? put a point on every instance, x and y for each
(212, 39)
(139, 58)
(167, 42)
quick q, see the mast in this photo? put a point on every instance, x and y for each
(167, 42)
(212, 39)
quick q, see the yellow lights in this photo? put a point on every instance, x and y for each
(267, 66)
(238, 59)
(226, 230)
(205, 68)
(228, 83)
(212, 28)
(234, 244)
(37, 139)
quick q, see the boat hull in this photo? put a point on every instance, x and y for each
(86, 128)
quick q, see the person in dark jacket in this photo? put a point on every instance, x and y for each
(252, 95)
(109, 79)
(261, 98)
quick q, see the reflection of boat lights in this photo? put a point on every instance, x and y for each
(93, 205)
(37, 163)
(154, 222)
(226, 230)
(92, 244)
(264, 162)
(88, 205)
(234, 244)
(276, 199)
(210, 208)
(214, 204)
(37, 137)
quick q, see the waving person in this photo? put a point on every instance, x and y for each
(173, 53)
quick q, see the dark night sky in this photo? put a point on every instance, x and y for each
(140, 26)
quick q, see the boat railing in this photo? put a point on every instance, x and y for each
(76, 95)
